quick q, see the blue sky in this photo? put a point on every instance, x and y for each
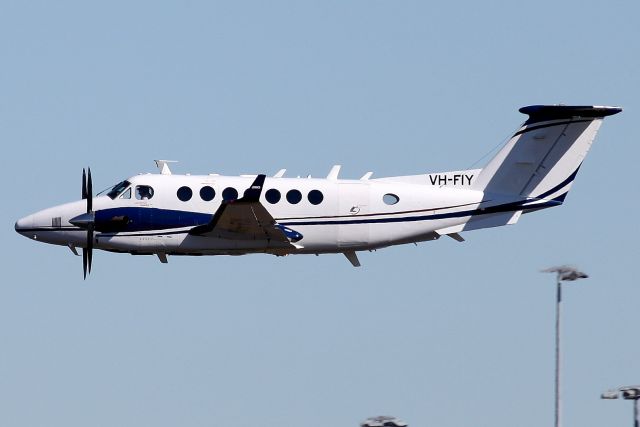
(445, 334)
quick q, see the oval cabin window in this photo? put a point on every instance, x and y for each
(230, 193)
(390, 199)
(294, 196)
(207, 193)
(272, 196)
(315, 197)
(184, 194)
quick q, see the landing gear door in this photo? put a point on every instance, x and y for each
(353, 207)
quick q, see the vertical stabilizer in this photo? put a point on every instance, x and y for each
(542, 158)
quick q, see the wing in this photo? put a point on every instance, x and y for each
(246, 219)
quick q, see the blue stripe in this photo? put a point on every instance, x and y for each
(567, 181)
(146, 219)
(507, 207)
(560, 198)
(159, 233)
(153, 219)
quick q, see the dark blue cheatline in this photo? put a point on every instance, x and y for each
(507, 207)
(143, 219)
(558, 187)
(131, 219)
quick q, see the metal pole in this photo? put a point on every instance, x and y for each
(557, 383)
(563, 273)
(636, 422)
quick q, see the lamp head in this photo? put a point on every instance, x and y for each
(566, 273)
(630, 393)
(610, 394)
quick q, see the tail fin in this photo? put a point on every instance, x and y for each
(542, 158)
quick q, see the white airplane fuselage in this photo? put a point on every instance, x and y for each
(351, 216)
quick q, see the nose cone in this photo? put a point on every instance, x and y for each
(23, 225)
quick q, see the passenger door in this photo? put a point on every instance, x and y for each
(353, 203)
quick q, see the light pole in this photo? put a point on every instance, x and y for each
(563, 274)
(627, 393)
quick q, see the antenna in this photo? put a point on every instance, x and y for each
(163, 165)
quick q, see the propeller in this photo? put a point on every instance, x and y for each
(86, 221)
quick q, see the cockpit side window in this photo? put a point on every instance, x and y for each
(118, 189)
(144, 192)
(126, 194)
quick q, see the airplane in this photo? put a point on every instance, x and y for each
(167, 214)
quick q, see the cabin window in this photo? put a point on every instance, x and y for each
(315, 197)
(207, 193)
(184, 194)
(390, 199)
(273, 196)
(294, 196)
(144, 192)
(229, 193)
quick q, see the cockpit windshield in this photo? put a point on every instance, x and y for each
(117, 189)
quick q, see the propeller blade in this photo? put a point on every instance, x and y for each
(84, 184)
(84, 262)
(89, 247)
(86, 220)
(89, 196)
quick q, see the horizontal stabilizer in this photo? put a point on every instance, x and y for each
(456, 237)
(450, 230)
(543, 113)
(492, 220)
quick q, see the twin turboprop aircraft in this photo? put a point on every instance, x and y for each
(169, 214)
